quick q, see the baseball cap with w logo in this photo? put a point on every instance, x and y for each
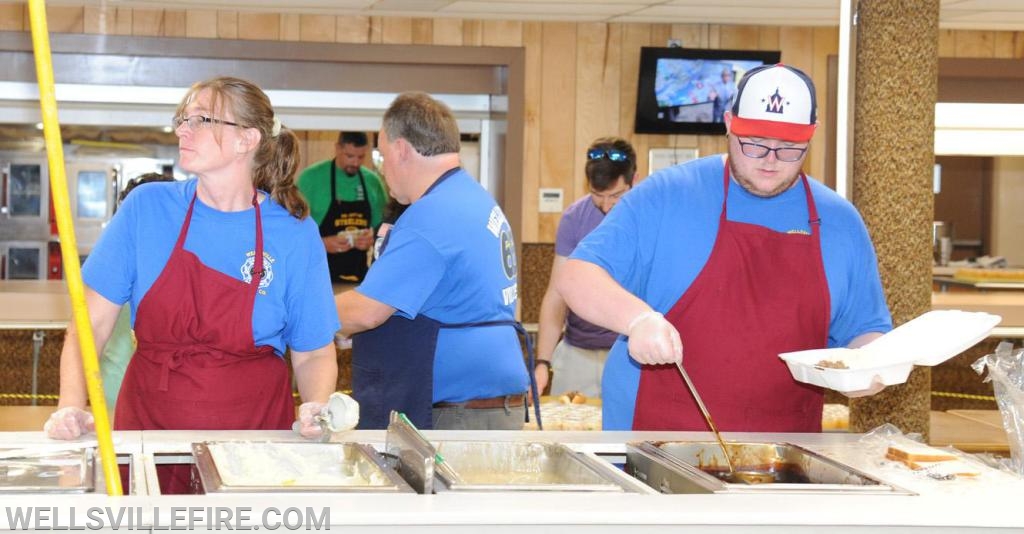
(775, 102)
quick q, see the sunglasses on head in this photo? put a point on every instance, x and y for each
(609, 153)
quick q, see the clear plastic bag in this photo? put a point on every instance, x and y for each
(886, 442)
(1006, 372)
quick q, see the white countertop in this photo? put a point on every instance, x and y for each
(988, 502)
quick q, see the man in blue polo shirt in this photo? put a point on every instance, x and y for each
(433, 324)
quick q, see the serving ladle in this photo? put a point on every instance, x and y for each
(745, 476)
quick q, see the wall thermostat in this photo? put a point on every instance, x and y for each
(550, 200)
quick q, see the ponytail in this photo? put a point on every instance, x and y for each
(275, 166)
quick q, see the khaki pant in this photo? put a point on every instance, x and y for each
(577, 369)
(461, 418)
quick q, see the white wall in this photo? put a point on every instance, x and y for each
(1008, 209)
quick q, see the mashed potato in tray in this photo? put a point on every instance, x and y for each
(249, 463)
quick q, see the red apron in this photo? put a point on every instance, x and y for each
(760, 293)
(196, 366)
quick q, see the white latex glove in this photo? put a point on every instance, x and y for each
(653, 340)
(307, 426)
(69, 423)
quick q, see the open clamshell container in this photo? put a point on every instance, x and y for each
(929, 339)
(498, 466)
(254, 466)
(700, 467)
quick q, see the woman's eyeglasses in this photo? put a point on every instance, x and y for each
(610, 153)
(198, 121)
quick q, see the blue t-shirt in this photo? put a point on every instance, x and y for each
(295, 303)
(658, 238)
(451, 257)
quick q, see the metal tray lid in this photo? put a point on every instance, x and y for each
(417, 459)
(263, 466)
(64, 471)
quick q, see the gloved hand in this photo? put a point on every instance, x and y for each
(69, 422)
(308, 426)
(653, 340)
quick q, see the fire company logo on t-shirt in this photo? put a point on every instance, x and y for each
(268, 269)
(498, 225)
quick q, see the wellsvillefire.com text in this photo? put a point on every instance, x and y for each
(166, 518)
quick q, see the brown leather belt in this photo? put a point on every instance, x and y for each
(505, 401)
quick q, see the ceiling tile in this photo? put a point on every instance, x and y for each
(547, 8)
(557, 17)
(984, 5)
(780, 5)
(965, 14)
(735, 15)
(413, 6)
(990, 20)
(253, 5)
(626, 4)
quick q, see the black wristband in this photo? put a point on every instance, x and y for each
(542, 362)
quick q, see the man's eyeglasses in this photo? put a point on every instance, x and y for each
(610, 153)
(787, 154)
(198, 121)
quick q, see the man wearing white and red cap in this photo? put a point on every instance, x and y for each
(735, 258)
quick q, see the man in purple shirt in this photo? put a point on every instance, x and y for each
(577, 360)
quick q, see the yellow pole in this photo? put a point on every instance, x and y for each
(68, 244)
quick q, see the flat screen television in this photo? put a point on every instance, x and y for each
(686, 90)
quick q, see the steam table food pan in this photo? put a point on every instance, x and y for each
(499, 466)
(518, 466)
(700, 467)
(252, 466)
(68, 471)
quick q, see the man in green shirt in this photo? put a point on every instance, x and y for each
(347, 200)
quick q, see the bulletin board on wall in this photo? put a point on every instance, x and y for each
(659, 158)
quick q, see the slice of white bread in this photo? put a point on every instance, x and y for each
(945, 468)
(907, 451)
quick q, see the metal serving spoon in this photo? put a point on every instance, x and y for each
(707, 417)
(745, 476)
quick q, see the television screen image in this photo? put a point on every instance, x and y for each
(689, 90)
(697, 90)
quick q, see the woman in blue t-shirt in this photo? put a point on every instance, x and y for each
(223, 272)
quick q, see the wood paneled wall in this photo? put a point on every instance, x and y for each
(580, 82)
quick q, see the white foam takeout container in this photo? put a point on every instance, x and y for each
(929, 339)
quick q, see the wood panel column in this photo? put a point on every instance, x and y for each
(896, 66)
